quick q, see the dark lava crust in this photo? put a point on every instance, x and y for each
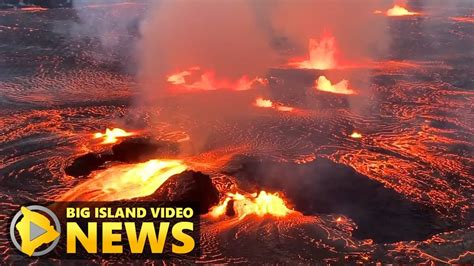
(325, 187)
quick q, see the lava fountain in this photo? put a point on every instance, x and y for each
(322, 54)
(342, 87)
(112, 135)
(127, 181)
(262, 204)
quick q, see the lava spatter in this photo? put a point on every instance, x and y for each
(260, 204)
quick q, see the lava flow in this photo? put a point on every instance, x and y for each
(342, 87)
(242, 205)
(112, 135)
(33, 8)
(322, 54)
(196, 79)
(463, 19)
(264, 103)
(398, 11)
(125, 181)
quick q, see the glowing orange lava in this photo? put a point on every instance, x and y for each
(321, 54)
(260, 102)
(112, 135)
(196, 79)
(126, 181)
(463, 19)
(397, 11)
(356, 135)
(323, 84)
(178, 78)
(33, 8)
(282, 108)
(264, 103)
(262, 204)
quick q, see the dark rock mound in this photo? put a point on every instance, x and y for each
(85, 164)
(142, 149)
(229, 209)
(134, 150)
(189, 186)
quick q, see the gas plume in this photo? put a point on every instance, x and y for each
(215, 54)
(245, 38)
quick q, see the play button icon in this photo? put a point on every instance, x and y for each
(36, 226)
(35, 231)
